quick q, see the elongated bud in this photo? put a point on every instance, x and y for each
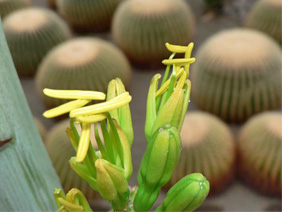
(122, 115)
(171, 111)
(126, 152)
(160, 159)
(151, 113)
(81, 170)
(110, 180)
(187, 194)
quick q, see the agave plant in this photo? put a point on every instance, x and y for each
(108, 169)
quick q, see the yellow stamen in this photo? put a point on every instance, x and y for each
(179, 62)
(65, 108)
(91, 119)
(166, 84)
(188, 55)
(114, 103)
(181, 80)
(84, 142)
(74, 94)
(176, 48)
(70, 206)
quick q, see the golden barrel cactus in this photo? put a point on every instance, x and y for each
(142, 27)
(208, 148)
(81, 64)
(9, 6)
(237, 74)
(266, 17)
(30, 34)
(88, 15)
(60, 151)
(260, 153)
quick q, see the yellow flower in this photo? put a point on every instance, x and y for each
(85, 115)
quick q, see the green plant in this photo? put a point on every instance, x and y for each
(207, 147)
(140, 28)
(109, 169)
(8, 6)
(81, 63)
(266, 17)
(237, 74)
(260, 153)
(31, 33)
(88, 15)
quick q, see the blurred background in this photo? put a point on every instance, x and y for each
(236, 78)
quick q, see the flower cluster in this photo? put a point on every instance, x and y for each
(108, 169)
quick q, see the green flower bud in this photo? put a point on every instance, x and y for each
(122, 114)
(187, 194)
(81, 170)
(110, 180)
(167, 106)
(160, 159)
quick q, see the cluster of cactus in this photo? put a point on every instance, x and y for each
(238, 74)
(208, 148)
(266, 17)
(8, 6)
(88, 15)
(57, 142)
(83, 64)
(30, 34)
(108, 169)
(140, 28)
(260, 153)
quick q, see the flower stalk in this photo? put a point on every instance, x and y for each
(108, 169)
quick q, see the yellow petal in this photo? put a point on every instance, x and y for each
(84, 142)
(65, 108)
(91, 119)
(188, 55)
(176, 48)
(114, 103)
(70, 206)
(181, 80)
(183, 61)
(74, 94)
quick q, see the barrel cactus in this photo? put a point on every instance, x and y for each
(88, 15)
(260, 153)
(141, 27)
(83, 64)
(60, 151)
(208, 148)
(30, 34)
(8, 6)
(237, 74)
(266, 17)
